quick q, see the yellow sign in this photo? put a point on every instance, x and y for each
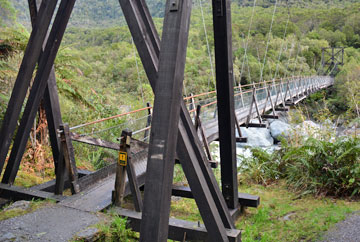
(122, 158)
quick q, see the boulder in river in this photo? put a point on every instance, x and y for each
(279, 129)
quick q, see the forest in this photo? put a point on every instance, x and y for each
(99, 74)
(89, 62)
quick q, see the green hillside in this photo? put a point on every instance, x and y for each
(92, 13)
(100, 13)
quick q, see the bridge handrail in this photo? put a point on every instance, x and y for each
(109, 118)
(274, 83)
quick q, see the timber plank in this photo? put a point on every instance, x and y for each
(15, 193)
(179, 230)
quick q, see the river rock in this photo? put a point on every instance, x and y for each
(89, 234)
(350, 132)
(22, 205)
(353, 129)
(308, 128)
(282, 116)
(7, 237)
(279, 129)
(257, 137)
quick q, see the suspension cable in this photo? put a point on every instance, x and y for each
(131, 121)
(268, 41)
(138, 72)
(282, 44)
(208, 47)
(290, 54)
(297, 53)
(247, 41)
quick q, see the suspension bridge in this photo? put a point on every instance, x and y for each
(255, 103)
(149, 141)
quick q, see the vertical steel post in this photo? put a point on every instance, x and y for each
(225, 97)
(164, 128)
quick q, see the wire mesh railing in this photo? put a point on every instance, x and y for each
(139, 121)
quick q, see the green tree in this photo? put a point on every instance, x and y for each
(7, 13)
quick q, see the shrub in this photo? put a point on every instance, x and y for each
(262, 168)
(318, 167)
(116, 231)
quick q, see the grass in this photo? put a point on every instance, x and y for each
(308, 216)
(29, 179)
(282, 215)
(34, 205)
(186, 209)
(116, 231)
(113, 228)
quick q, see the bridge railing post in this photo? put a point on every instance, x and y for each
(241, 94)
(300, 86)
(272, 103)
(125, 168)
(287, 90)
(253, 102)
(192, 104)
(69, 157)
(148, 123)
(312, 85)
(281, 92)
(266, 99)
(277, 92)
(296, 87)
(292, 86)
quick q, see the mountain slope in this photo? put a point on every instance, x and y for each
(92, 13)
(105, 13)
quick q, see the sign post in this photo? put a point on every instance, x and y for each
(118, 194)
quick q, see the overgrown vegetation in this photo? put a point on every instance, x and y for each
(285, 216)
(116, 230)
(319, 167)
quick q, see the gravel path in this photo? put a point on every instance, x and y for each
(345, 231)
(52, 223)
